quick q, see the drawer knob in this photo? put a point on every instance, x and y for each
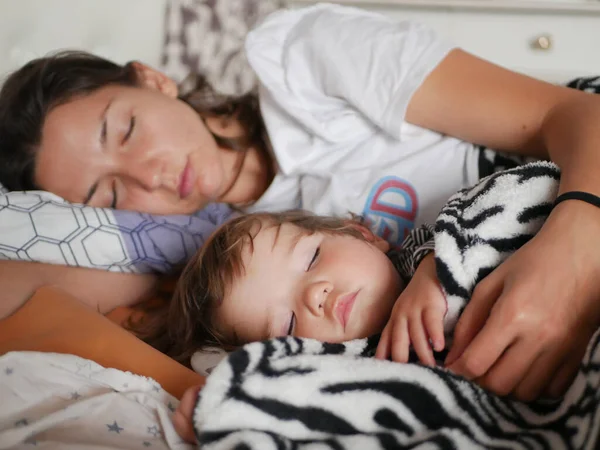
(542, 42)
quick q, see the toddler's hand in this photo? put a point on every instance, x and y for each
(417, 318)
(182, 419)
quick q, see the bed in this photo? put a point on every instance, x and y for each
(91, 384)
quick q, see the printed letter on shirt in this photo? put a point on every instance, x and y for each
(391, 209)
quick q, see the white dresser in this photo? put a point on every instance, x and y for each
(550, 39)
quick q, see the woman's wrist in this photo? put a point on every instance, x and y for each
(571, 210)
(585, 197)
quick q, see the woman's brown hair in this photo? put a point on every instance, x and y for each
(31, 92)
(188, 323)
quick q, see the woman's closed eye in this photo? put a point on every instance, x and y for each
(126, 137)
(129, 130)
(113, 204)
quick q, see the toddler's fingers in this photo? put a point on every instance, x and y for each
(433, 320)
(384, 345)
(419, 340)
(182, 418)
(400, 341)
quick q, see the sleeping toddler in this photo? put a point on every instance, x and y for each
(266, 275)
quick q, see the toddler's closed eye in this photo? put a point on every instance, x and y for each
(292, 324)
(314, 258)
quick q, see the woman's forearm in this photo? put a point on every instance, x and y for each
(571, 135)
(101, 290)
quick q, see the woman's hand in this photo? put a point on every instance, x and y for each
(528, 323)
(417, 318)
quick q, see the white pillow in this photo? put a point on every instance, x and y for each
(204, 361)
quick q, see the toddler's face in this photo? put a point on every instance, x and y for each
(328, 287)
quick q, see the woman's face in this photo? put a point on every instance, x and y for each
(136, 148)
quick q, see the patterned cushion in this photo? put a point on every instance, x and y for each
(207, 37)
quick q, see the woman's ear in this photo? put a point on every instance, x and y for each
(225, 126)
(371, 237)
(154, 79)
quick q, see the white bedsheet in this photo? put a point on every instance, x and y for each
(51, 401)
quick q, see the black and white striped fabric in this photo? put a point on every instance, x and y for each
(292, 393)
(479, 227)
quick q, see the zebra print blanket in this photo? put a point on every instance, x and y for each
(291, 393)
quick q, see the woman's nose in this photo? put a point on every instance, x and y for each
(146, 173)
(315, 297)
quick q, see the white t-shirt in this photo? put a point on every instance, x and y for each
(335, 83)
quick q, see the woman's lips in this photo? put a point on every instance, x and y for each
(186, 183)
(343, 307)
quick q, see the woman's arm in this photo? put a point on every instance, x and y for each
(99, 289)
(479, 102)
(528, 323)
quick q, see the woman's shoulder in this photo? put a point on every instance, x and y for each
(320, 28)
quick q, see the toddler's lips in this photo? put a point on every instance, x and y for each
(187, 179)
(343, 307)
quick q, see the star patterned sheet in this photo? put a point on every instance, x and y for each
(58, 401)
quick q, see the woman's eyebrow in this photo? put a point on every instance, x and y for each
(103, 131)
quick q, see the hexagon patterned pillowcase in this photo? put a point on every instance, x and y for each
(42, 227)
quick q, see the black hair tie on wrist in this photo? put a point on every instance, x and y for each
(578, 195)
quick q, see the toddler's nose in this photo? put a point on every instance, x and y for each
(316, 295)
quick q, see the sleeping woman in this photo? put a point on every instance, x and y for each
(354, 113)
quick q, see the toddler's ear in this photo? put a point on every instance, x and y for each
(381, 244)
(372, 238)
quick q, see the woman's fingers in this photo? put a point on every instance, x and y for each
(509, 370)
(540, 374)
(485, 349)
(566, 372)
(474, 316)
(564, 376)
(555, 368)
